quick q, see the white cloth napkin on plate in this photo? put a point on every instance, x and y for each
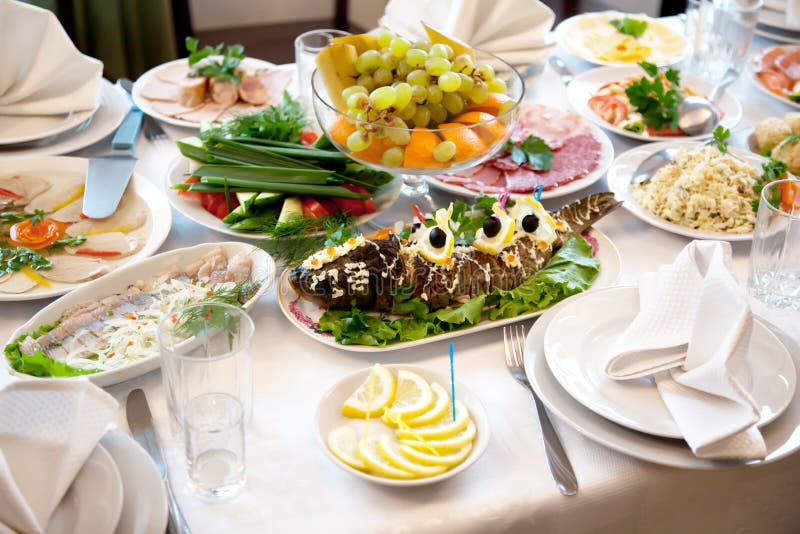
(48, 429)
(692, 333)
(515, 30)
(42, 73)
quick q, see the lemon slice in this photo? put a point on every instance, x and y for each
(437, 412)
(367, 451)
(343, 443)
(389, 450)
(373, 396)
(444, 429)
(425, 458)
(414, 396)
(444, 446)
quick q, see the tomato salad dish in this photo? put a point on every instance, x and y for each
(646, 105)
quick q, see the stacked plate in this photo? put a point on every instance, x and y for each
(565, 359)
(118, 489)
(43, 135)
(772, 23)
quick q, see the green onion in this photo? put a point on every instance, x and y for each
(284, 187)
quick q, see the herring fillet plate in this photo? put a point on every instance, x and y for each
(263, 268)
(179, 171)
(304, 315)
(603, 163)
(159, 216)
(752, 72)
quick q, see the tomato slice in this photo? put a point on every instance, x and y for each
(609, 108)
(790, 195)
(353, 206)
(308, 138)
(666, 132)
(312, 208)
(215, 204)
(776, 81)
(190, 194)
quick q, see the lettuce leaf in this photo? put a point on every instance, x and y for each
(571, 270)
(39, 363)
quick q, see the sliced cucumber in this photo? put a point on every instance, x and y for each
(266, 199)
(292, 207)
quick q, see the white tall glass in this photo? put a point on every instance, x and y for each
(775, 257)
(206, 366)
(719, 33)
(306, 47)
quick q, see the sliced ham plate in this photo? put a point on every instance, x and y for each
(576, 153)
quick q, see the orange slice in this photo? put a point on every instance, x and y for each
(419, 151)
(468, 142)
(490, 105)
(490, 132)
(340, 130)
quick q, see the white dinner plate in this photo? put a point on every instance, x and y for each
(776, 19)
(146, 105)
(578, 345)
(144, 497)
(158, 224)
(114, 105)
(193, 210)
(775, 34)
(93, 503)
(752, 71)
(606, 158)
(619, 181)
(263, 269)
(586, 85)
(329, 417)
(304, 315)
(782, 437)
(16, 129)
(568, 26)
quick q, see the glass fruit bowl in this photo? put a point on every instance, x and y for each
(456, 136)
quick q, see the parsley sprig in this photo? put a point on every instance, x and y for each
(14, 217)
(772, 170)
(225, 70)
(628, 26)
(656, 96)
(12, 259)
(533, 151)
(721, 136)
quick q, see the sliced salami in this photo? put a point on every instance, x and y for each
(577, 157)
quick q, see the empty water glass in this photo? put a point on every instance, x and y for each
(719, 33)
(306, 48)
(214, 434)
(775, 257)
(206, 366)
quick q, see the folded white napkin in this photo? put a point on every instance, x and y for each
(515, 30)
(692, 333)
(42, 73)
(48, 429)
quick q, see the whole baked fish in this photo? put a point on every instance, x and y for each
(508, 250)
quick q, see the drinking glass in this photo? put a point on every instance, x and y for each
(719, 33)
(775, 257)
(206, 366)
(306, 47)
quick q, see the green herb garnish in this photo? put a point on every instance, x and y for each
(628, 26)
(280, 122)
(225, 70)
(636, 127)
(15, 258)
(533, 151)
(721, 136)
(771, 171)
(654, 98)
(14, 217)
(295, 239)
(794, 98)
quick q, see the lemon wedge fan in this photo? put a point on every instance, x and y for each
(373, 395)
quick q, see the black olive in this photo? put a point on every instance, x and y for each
(491, 226)
(530, 223)
(416, 226)
(437, 237)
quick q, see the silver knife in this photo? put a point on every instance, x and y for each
(140, 420)
(108, 176)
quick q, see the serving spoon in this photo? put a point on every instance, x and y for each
(698, 115)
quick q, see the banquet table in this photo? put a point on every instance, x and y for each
(293, 487)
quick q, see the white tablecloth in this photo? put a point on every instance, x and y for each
(293, 487)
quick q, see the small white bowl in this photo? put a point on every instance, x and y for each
(329, 417)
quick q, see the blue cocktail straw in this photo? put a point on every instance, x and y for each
(452, 382)
(538, 192)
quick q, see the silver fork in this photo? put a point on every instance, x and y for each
(557, 459)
